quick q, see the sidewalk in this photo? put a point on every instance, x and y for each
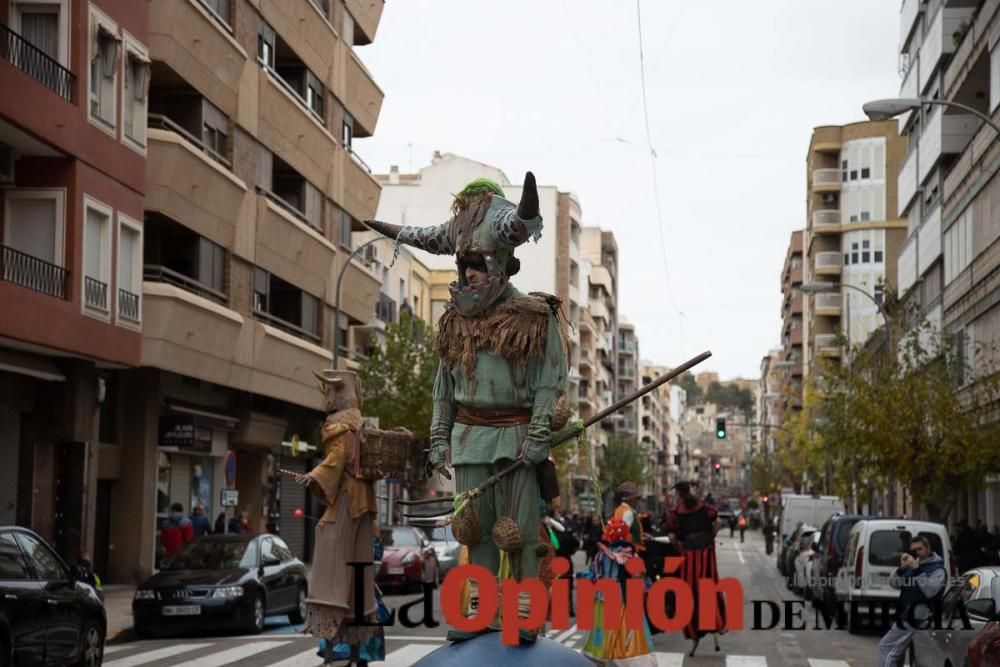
(118, 607)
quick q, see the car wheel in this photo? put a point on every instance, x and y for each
(6, 655)
(92, 647)
(298, 615)
(256, 623)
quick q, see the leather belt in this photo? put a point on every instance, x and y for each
(496, 417)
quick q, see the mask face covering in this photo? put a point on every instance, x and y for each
(469, 301)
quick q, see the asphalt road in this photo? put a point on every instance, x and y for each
(283, 645)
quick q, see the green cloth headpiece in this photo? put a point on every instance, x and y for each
(481, 185)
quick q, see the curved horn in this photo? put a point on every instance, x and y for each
(436, 239)
(512, 229)
(384, 228)
(528, 208)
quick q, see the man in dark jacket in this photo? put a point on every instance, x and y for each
(200, 522)
(921, 578)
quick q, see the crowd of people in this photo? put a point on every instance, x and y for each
(178, 529)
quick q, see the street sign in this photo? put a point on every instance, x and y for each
(230, 498)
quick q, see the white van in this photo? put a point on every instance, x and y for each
(810, 510)
(872, 555)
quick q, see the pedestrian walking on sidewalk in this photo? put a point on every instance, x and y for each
(742, 524)
(921, 578)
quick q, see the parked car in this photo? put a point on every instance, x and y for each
(979, 591)
(446, 547)
(47, 617)
(809, 510)
(408, 559)
(802, 574)
(872, 555)
(222, 582)
(830, 557)
(791, 550)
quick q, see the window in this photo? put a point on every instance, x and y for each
(878, 256)
(866, 257)
(847, 258)
(864, 245)
(177, 255)
(865, 216)
(345, 230)
(46, 564)
(129, 269)
(261, 288)
(267, 551)
(13, 567)
(219, 8)
(315, 93)
(214, 129)
(39, 25)
(310, 313)
(347, 34)
(265, 44)
(854, 174)
(33, 223)
(211, 264)
(281, 550)
(135, 92)
(96, 256)
(285, 306)
(347, 131)
(866, 172)
(103, 51)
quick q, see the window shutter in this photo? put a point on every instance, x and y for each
(265, 179)
(314, 206)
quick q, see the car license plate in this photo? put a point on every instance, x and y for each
(187, 610)
(395, 570)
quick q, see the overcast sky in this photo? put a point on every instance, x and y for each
(734, 89)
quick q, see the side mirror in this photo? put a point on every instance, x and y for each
(817, 548)
(983, 609)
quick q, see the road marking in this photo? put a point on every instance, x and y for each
(746, 661)
(408, 655)
(817, 662)
(740, 554)
(234, 654)
(153, 656)
(669, 659)
(117, 648)
(561, 638)
(304, 659)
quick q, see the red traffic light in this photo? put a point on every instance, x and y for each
(718, 466)
(298, 512)
(764, 499)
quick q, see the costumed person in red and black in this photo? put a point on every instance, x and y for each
(693, 525)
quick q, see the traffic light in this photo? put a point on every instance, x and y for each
(764, 498)
(720, 428)
(717, 468)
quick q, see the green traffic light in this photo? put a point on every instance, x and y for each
(720, 434)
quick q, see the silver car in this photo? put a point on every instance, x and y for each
(446, 547)
(948, 646)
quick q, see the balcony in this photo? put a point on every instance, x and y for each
(944, 134)
(626, 347)
(31, 272)
(826, 180)
(795, 307)
(34, 62)
(199, 48)
(95, 294)
(129, 307)
(828, 263)
(366, 15)
(826, 345)
(288, 247)
(284, 365)
(906, 182)
(828, 305)
(358, 192)
(362, 96)
(795, 337)
(908, 14)
(826, 221)
(292, 131)
(179, 174)
(938, 41)
(599, 311)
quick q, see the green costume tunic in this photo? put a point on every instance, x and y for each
(479, 451)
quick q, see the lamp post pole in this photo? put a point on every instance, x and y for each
(336, 307)
(886, 109)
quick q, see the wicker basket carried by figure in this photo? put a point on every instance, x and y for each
(465, 525)
(507, 535)
(384, 453)
(561, 413)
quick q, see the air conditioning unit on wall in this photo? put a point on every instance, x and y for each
(829, 198)
(6, 164)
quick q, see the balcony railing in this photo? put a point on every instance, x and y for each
(95, 293)
(826, 218)
(828, 260)
(161, 274)
(826, 340)
(34, 62)
(286, 326)
(826, 177)
(357, 158)
(31, 272)
(161, 122)
(828, 301)
(128, 305)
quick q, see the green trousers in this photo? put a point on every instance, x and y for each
(516, 496)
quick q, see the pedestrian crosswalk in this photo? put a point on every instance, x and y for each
(402, 651)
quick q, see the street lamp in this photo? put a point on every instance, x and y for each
(819, 287)
(336, 308)
(889, 108)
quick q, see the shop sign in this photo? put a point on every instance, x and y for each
(181, 432)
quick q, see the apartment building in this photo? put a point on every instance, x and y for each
(655, 431)
(949, 263)
(769, 401)
(254, 188)
(678, 463)
(72, 180)
(598, 342)
(853, 235)
(792, 328)
(628, 377)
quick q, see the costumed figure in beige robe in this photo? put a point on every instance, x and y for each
(346, 531)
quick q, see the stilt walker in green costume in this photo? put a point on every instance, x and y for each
(501, 375)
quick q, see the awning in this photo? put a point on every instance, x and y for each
(29, 364)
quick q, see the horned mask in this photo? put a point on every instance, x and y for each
(341, 389)
(484, 225)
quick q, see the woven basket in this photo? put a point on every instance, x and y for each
(507, 535)
(465, 526)
(561, 414)
(384, 453)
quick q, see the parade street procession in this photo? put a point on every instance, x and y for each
(455, 334)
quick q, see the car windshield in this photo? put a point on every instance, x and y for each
(443, 534)
(212, 555)
(399, 537)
